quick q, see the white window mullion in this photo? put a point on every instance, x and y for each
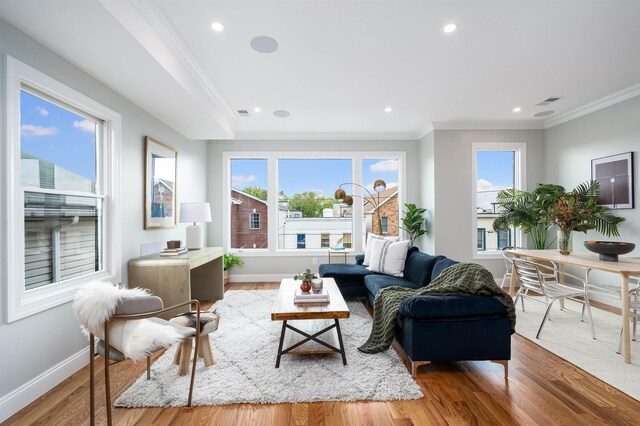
(272, 202)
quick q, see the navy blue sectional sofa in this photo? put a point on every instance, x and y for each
(433, 328)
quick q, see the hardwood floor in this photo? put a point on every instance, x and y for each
(541, 389)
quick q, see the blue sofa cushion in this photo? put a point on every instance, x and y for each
(344, 273)
(359, 259)
(375, 283)
(451, 307)
(441, 264)
(419, 267)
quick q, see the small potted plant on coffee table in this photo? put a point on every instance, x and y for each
(306, 278)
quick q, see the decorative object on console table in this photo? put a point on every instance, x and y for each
(615, 175)
(174, 244)
(160, 185)
(195, 212)
(378, 186)
(173, 252)
(609, 250)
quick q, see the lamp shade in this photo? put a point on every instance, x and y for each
(379, 185)
(339, 194)
(195, 212)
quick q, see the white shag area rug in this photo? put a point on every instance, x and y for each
(245, 346)
(569, 338)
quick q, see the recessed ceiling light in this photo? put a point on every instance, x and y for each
(281, 113)
(388, 109)
(217, 26)
(517, 109)
(264, 44)
(449, 28)
(257, 109)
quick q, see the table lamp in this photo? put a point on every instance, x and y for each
(195, 212)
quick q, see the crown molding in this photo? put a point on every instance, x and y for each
(487, 125)
(425, 131)
(327, 136)
(149, 25)
(607, 101)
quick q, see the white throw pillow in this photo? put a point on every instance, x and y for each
(387, 257)
(367, 251)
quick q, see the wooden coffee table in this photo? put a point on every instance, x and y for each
(314, 327)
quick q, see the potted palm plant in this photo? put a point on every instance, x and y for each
(548, 206)
(527, 211)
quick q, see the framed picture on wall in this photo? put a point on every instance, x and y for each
(615, 175)
(160, 185)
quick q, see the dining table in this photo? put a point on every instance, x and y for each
(625, 267)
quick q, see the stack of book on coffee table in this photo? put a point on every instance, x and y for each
(311, 297)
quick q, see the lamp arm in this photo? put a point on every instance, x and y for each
(366, 200)
(357, 184)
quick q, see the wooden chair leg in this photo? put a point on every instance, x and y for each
(505, 364)
(148, 367)
(205, 351)
(107, 384)
(415, 365)
(176, 356)
(185, 356)
(92, 408)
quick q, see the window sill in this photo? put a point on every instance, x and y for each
(290, 253)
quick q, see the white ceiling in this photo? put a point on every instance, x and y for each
(340, 63)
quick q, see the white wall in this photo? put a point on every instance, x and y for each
(31, 346)
(569, 149)
(268, 267)
(449, 179)
(426, 154)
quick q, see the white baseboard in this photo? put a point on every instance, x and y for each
(258, 278)
(19, 398)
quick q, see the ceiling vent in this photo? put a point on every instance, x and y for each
(549, 101)
(243, 112)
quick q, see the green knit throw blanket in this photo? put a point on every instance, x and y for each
(462, 278)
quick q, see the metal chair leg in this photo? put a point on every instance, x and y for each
(593, 330)
(92, 408)
(544, 319)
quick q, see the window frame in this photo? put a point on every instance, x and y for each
(483, 246)
(520, 182)
(272, 158)
(251, 216)
(21, 303)
(384, 224)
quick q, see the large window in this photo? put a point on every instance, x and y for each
(497, 167)
(306, 205)
(62, 222)
(249, 204)
(294, 195)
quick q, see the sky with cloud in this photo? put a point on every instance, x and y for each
(321, 176)
(55, 134)
(494, 173)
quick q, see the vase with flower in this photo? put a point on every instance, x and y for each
(578, 211)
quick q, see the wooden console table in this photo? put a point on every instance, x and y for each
(197, 274)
